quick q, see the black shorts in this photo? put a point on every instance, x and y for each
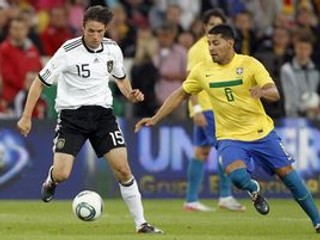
(95, 123)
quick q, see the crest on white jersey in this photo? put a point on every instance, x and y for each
(110, 66)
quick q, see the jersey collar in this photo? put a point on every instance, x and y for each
(90, 50)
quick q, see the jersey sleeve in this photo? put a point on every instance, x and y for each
(192, 84)
(49, 74)
(261, 75)
(118, 69)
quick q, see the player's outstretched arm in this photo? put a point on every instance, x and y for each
(24, 124)
(172, 102)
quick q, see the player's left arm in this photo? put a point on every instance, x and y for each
(265, 87)
(268, 91)
(124, 85)
(133, 95)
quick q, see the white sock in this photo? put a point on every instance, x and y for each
(131, 195)
(50, 175)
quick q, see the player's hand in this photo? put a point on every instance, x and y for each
(136, 96)
(256, 92)
(24, 125)
(144, 122)
(200, 120)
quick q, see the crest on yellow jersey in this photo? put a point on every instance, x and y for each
(239, 71)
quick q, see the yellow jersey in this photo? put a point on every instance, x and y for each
(238, 116)
(197, 53)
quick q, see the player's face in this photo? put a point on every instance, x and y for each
(93, 33)
(221, 50)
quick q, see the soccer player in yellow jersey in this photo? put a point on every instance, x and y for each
(235, 83)
(204, 130)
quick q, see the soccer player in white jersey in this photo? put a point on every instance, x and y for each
(82, 68)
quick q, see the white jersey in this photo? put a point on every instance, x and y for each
(83, 75)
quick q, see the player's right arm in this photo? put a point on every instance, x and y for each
(171, 103)
(45, 78)
(25, 124)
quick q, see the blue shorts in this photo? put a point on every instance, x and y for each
(205, 136)
(267, 152)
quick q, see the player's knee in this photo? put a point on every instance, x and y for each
(202, 153)
(123, 172)
(284, 171)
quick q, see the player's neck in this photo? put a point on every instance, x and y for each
(228, 59)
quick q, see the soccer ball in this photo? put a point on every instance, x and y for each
(87, 205)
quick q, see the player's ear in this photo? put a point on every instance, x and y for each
(231, 42)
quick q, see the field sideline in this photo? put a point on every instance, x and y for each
(24, 220)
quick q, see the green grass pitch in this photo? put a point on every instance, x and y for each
(39, 221)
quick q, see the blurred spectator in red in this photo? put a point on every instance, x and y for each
(3, 23)
(57, 32)
(18, 55)
(47, 4)
(2, 103)
(40, 110)
(122, 31)
(5, 111)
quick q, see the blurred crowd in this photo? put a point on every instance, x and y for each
(156, 35)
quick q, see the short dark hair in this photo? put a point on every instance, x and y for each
(225, 30)
(98, 13)
(214, 12)
(305, 35)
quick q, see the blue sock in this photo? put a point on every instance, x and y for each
(224, 183)
(302, 195)
(242, 180)
(194, 176)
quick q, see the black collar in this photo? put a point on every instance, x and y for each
(90, 50)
